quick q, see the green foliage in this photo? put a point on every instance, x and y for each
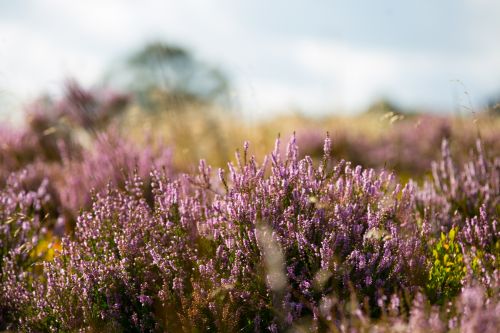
(447, 269)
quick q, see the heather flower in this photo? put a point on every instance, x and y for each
(457, 194)
(279, 245)
(112, 160)
(22, 231)
(477, 315)
(90, 109)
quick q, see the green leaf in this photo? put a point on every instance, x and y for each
(452, 234)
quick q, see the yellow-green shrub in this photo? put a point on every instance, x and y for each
(447, 269)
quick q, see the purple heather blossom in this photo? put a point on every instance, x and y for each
(267, 246)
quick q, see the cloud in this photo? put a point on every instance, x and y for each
(358, 75)
(30, 62)
(350, 72)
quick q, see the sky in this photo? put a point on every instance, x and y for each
(321, 56)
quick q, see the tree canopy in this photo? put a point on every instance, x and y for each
(167, 76)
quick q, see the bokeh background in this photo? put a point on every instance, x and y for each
(320, 58)
(388, 80)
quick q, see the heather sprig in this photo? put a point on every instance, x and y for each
(22, 231)
(113, 159)
(287, 243)
(260, 255)
(459, 192)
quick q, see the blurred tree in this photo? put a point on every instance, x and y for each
(494, 105)
(384, 106)
(165, 76)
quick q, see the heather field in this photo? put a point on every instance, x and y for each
(114, 219)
